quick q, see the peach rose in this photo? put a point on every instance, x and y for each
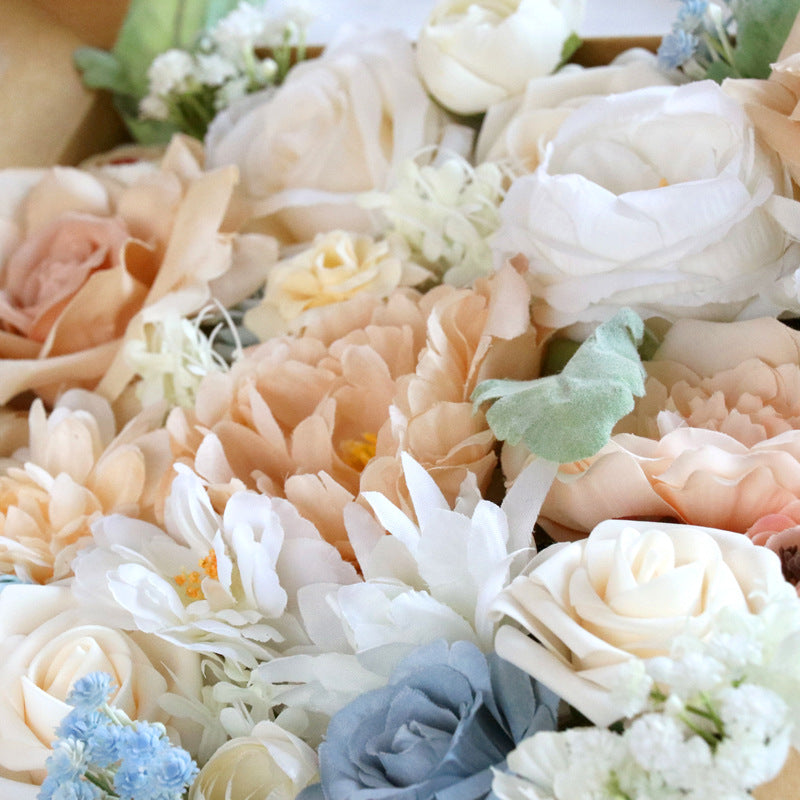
(87, 254)
(73, 468)
(47, 642)
(319, 417)
(715, 441)
(781, 534)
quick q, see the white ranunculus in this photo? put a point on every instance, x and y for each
(473, 54)
(47, 642)
(659, 199)
(269, 764)
(625, 592)
(336, 127)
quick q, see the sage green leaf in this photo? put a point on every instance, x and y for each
(571, 44)
(761, 29)
(101, 69)
(570, 416)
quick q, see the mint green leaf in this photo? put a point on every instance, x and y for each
(761, 29)
(720, 70)
(101, 69)
(571, 44)
(570, 416)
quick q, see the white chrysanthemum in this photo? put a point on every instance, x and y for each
(216, 584)
(445, 213)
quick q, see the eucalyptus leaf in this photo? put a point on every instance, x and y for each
(570, 416)
(101, 69)
(761, 29)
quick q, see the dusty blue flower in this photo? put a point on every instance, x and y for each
(691, 15)
(447, 716)
(91, 691)
(676, 48)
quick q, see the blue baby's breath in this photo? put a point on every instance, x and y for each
(80, 724)
(691, 15)
(72, 790)
(91, 691)
(676, 48)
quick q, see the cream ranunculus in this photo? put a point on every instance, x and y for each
(659, 199)
(473, 54)
(47, 642)
(336, 127)
(624, 593)
(268, 764)
(337, 267)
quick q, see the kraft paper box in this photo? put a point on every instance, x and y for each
(47, 117)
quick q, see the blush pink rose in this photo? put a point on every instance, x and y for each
(781, 534)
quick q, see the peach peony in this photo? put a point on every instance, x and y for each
(715, 441)
(87, 254)
(75, 468)
(319, 417)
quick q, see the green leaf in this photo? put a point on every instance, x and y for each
(720, 70)
(570, 416)
(101, 69)
(761, 29)
(571, 44)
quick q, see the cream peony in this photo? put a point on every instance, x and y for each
(624, 593)
(337, 267)
(270, 764)
(715, 441)
(46, 643)
(336, 127)
(517, 130)
(87, 255)
(613, 217)
(471, 54)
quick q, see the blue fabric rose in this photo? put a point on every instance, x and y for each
(448, 714)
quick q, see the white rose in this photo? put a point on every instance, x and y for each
(625, 592)
(47, 642)
(659, 199)
(516, 130)
(335, 128)
(337, 267)
(473, 54)
(270, 763)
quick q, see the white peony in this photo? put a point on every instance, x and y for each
(473, 54)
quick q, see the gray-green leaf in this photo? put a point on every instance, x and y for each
(570, 416)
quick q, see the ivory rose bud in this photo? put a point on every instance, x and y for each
(336, 127)
(87, 254)
(47, 642)
(337, 267)
(625, 592)
(270, 763)
(612, 217)
(472, 54)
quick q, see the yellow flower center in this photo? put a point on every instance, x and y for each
(357, 452)
(662, 183)
(191, 582)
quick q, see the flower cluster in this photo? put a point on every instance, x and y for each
(100, 753)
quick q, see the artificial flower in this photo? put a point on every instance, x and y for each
(517, 130)
(336, 267)
(336, 127)
(269, 764)
(73, 468)
(47, 642)
(214, 584)
(781, 534)
(611, 218)
(625, 593)
(87, 255)
(446, 717)
(713, 442)
(323, 415)
(473, 53)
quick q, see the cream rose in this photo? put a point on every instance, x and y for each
(337, 267)
(47, 642)
(336, 127)
(270, 763)
(659, 199)
(623, 593)
(87, 254)
(473, 54)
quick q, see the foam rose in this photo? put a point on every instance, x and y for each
(715, 441)
(87, 254)
(336, 127)
(625, 592)
(46, 643)
(612, 218)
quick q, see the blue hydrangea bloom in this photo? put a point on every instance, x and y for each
(91, 691)
(448, 714)
(676, 48)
